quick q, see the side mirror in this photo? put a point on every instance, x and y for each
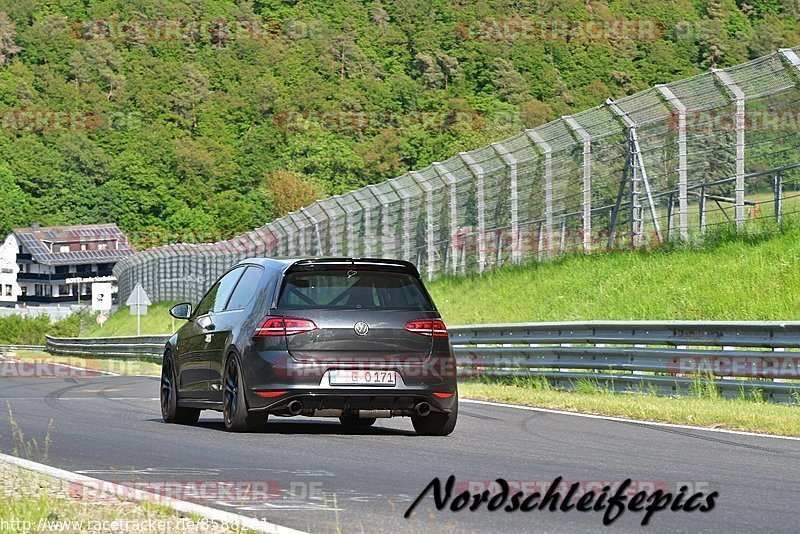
(181, 311)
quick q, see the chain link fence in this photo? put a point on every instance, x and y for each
(667, 163)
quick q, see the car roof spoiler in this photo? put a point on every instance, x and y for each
(353, 263)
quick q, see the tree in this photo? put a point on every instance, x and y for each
(290, 192)
(8, 34)
(511, 84)
(429, 69)
(193, 92)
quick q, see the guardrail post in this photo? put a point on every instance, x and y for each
(683, 202)
(587, 180)
(477, 171)
(537, 139)
(448, 177)
(511, 162)
(739, 98)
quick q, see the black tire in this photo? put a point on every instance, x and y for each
(354, 421)
(170, 411)
(234, 405)
(436, 423)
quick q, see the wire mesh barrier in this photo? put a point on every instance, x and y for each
(751, 360)
(668, 163)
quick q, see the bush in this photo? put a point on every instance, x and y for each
(23, 330)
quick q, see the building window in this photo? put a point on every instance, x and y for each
(23, 290)
(84, 268)
(63, 290)
(63, 248)
(62, 269)
(102, 246)
(38, 290)
(8, 290)
(84, 246)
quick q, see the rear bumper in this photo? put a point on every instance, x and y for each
(397, 402)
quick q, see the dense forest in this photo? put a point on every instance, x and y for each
(217, 116)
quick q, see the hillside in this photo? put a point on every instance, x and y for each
(216, 116)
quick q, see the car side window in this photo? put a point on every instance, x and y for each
(217, 296)
(226, 285)
(207, 304)
(245, 289)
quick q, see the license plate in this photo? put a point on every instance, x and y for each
(362, 378)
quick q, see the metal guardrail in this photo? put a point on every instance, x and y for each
(119, 347)
(670, 358)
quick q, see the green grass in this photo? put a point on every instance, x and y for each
(748, 278)
(698, 410)
(122, 323)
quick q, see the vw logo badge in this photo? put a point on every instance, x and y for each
(361, 328)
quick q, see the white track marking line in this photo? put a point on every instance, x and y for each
(136, 495)
(623, 420)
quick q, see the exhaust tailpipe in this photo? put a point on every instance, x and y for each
(423, 409)
(295, 407)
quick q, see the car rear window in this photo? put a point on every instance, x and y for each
(353, 289)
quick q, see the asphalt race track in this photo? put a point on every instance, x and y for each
(322, 478)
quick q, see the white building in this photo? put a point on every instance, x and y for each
(57, 265)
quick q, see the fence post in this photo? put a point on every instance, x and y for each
(511, 162)
(683, 202)
(316, 240)
(587, 180)
(639, 173)
(739, 98)
(537, 139)
(703, 227)
(360, 196)
(477, 172)
(406, 200)
(349, 229)
(448, 177)
(778, 186)
(429, 235)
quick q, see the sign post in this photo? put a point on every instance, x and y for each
(138, 301)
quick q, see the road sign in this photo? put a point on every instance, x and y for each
(138, 297)
(101, 318)
(101, 296)
(138, 301)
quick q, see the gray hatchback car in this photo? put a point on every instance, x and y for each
(352, 338)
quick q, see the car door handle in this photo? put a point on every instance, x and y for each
(206, 322)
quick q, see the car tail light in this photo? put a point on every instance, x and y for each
(284, 326)
(428, 327)
(268, 394)
(443, 394)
